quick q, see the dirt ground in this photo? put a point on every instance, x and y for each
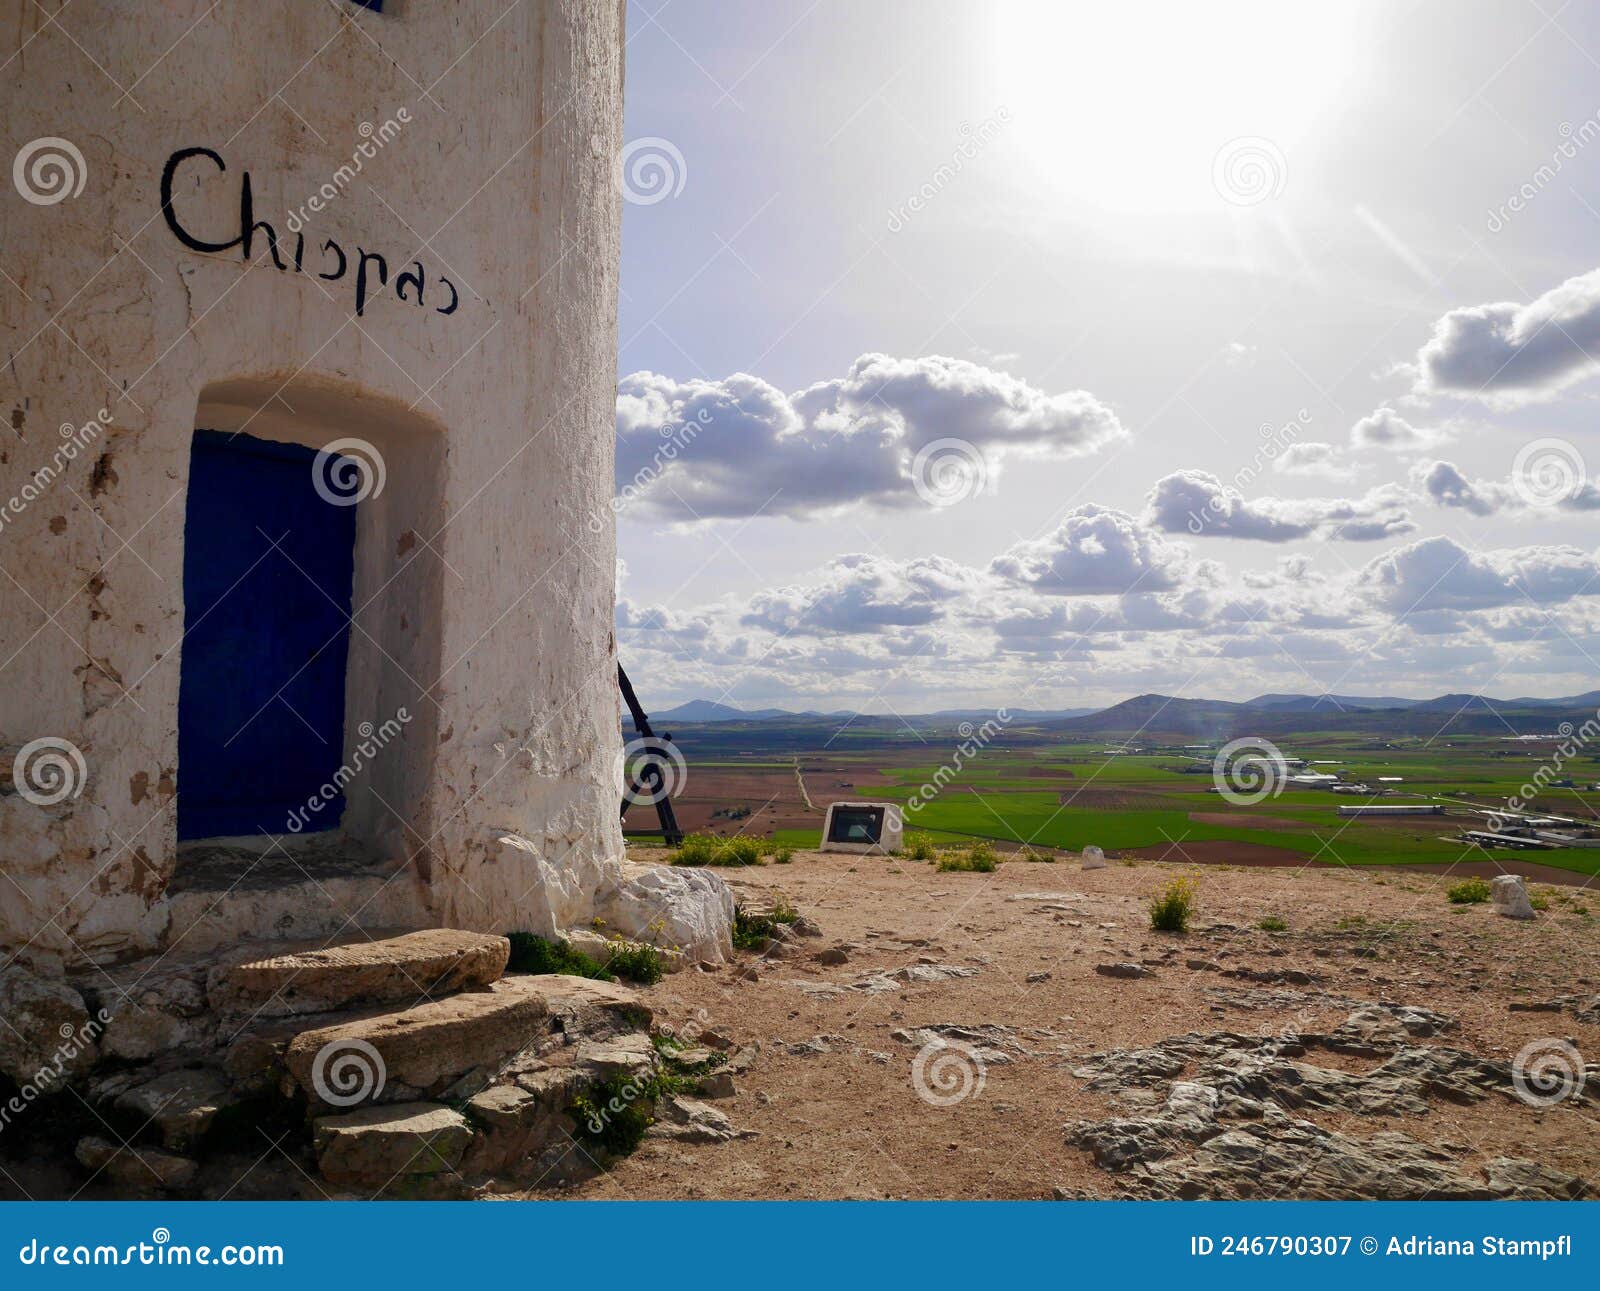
(831, 1104)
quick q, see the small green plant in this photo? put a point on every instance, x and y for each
(635, 961)
(614, 1114)
(1035, 858)
(679, 1075)
(1539, 901)
(783, 854)
(919, 846)
(1273, 923)
(533, 954)
(1171, 908)
(751, 931)
(706, 849)
(977, 859)
(1470, 892)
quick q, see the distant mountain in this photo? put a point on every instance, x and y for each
(1589, 699)
(1016, 714)
(708, 710)
(1170, 715)
(1165, 714)
(1324, 703)
(1460, 704)
(1166, 717)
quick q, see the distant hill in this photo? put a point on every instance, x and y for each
(708, 710)
(1589, 699)
(1193, 719)
(1017, 714)
(1439, 704)
(1324, 703)
(1204, 718)
(1168, 717)
(1460, 704)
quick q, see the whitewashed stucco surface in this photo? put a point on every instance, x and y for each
(496, 424)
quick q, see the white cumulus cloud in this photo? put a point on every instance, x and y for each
(1439, 574)
(1197, 502)
(1507, 350)
(699, 449)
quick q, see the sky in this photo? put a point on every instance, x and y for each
(1040, 354)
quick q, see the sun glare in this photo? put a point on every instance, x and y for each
(1128, 105)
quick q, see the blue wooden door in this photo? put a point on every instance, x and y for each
(267, 569)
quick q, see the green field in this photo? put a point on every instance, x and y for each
(1146, 800)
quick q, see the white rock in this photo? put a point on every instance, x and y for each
(685, 910)
(690, 910)
(1093, 858)
(1511, 897)
(560, 896)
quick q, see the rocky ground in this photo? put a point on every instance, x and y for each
(1023, 1034)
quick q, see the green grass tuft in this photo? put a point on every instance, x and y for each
(613, 1116)
(751, 931)
(1273, 923)
(977, 859)
(919, 846)
(1470, 892)
(1171, 908)
(635, 961)
(705, 849)
(531, 954)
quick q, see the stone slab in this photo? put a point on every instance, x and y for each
(181, 1104)
(47, 1039)
(421, 1051)
(378, 1145)
(412, 967)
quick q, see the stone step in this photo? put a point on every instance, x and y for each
(412, 967)
(456, 1047)
(385, 1145)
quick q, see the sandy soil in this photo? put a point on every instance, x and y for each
(842, 1116)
